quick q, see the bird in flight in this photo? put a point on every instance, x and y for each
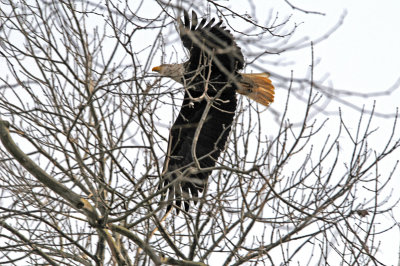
(211, 80)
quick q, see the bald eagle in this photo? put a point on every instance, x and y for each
(211, 79)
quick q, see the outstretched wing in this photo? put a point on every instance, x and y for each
(199, 133)
(181, 173)
(212, 40)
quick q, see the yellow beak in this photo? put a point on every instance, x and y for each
(156, 69)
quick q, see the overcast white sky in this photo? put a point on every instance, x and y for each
(362, 55)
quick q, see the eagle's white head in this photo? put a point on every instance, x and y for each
(173, 71)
